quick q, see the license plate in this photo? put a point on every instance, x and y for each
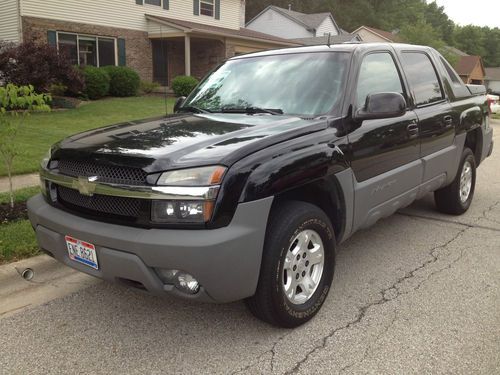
(82, 252)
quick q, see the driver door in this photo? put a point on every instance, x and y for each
(384, 153)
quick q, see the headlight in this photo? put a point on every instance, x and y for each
(46, 159)
(203, 176)
(199, 209)
(182, 211)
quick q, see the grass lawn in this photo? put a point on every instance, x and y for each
(17, 239)
(40, 131)
(496, 116)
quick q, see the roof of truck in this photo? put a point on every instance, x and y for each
(344, 47)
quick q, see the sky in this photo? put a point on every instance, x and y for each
(477, 12)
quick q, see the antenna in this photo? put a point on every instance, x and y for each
(162, 43)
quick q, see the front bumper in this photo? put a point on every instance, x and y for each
(226, 261)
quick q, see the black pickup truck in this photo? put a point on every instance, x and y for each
(273, 160)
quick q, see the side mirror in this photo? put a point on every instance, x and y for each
(178, 103)
(382, 105)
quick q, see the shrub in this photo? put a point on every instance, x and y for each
(183, 85)
(124, 81)
(39, 65)
(57, 89)
(96, 82)
(148, 87)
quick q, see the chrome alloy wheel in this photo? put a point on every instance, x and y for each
(303, 267)
(465, 182)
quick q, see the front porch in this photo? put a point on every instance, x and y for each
(191, 56)
(187, 48)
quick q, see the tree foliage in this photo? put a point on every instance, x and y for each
(16, 102)
(415, 21)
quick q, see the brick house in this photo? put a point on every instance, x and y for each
(160, 39)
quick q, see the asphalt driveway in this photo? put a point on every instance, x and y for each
(417, 293)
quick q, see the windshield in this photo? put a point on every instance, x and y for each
(303, 84)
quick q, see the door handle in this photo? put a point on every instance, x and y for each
(412, 129)
(448, 121)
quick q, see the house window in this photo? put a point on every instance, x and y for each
(87, 50)
(153, 2)
(207, 7)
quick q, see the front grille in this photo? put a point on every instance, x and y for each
(104, 173)
(128, 208)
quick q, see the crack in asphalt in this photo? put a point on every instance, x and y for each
(382, 300)
(388, 294)
(370, 347)
(271, 351)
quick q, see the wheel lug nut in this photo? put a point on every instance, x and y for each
(298, 256)
(297, 276)
(294, 268)
(303, 273)
(304, 255)
(307, 263)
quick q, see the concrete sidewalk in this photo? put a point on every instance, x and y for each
(19, 182)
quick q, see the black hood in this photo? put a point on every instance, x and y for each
(181, 141)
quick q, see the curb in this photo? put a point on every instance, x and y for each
(50, 280)
(11, 280)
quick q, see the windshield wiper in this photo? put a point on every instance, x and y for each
(192, 108)
(252, 110)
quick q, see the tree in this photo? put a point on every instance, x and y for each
(15, 104)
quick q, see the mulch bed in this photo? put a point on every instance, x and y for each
(8, 215)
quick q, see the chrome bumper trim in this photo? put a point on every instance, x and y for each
(87, 187)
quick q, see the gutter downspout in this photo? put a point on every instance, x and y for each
(20, 21)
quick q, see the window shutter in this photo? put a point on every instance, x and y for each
(52, 38)
(139, 2)
(196, 7)
(122, 59)
(217, 9)
(166, 4)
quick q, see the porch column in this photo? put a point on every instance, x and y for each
(187, 54)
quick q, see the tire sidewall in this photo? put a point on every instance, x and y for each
(467, 156)
(305, 311)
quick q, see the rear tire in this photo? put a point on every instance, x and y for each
(297, 265)
(456, 198)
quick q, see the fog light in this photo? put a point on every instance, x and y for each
(187, 283)
(183, 281)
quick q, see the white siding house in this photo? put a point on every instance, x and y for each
(9, 21)
(286, 23)
(327, 27)
(276, 23)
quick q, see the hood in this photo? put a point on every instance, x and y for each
(182, 141)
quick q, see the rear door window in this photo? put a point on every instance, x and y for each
(422, 78)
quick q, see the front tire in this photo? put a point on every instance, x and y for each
(297, 265)
(456, 198)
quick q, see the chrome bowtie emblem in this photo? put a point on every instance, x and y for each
(85, 185)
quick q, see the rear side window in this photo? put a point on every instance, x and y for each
(378, 73)
(451, 73)
(422, 78)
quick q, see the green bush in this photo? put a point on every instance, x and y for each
(183, 85)
(124, 81)
(96, 82)
(148, 87)
(57, 89)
